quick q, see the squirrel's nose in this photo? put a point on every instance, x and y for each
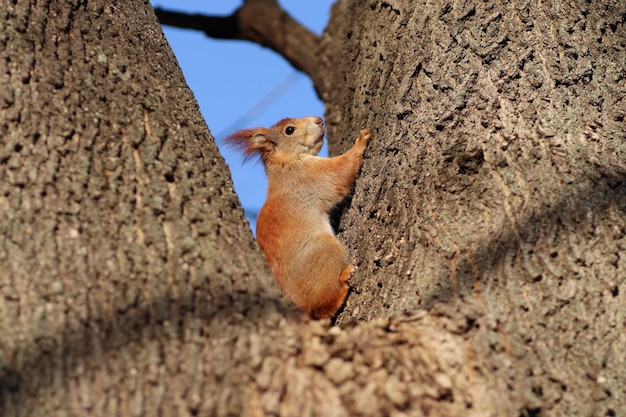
(319, 121)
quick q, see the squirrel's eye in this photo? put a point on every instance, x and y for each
(289, 130)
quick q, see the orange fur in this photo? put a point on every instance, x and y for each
(293, 227)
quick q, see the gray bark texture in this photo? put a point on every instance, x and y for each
(497, 177)
(489, 221)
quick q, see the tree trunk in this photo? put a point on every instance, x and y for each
(488, 222)
(124, 254)
(497, 175)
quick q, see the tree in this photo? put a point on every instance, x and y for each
(488, 222)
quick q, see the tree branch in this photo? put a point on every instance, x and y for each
(219, 27)
(260, 21)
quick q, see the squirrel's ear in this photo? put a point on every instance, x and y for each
(262, 140)
(259, 139)
(252, 142)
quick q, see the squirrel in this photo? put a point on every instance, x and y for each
(293, 226)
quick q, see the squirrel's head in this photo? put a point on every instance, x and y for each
(288, 138)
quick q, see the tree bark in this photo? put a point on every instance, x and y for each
(498, 175)
(488, 222)
(124, 254)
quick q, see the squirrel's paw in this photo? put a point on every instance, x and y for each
(364, 135)
(353, 269)
(347, 273)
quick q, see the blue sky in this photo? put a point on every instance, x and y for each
(239, 84)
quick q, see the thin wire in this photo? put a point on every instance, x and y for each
(264, 103)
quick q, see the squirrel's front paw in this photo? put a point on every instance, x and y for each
(364, 135)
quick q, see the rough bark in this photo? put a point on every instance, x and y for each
(498, 175)
(124, 253)
(491, 230)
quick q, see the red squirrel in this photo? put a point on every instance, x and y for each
(293, 226)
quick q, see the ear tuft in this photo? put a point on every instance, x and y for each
(251, 142)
